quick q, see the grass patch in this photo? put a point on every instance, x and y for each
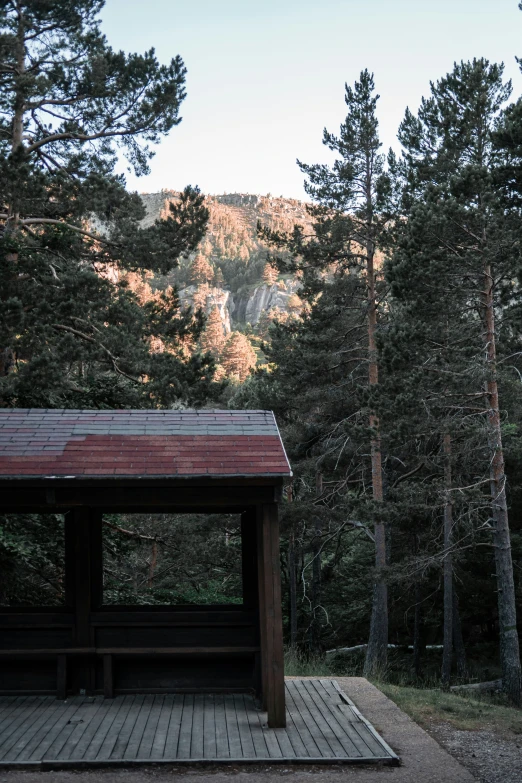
(299, 665)
(466, 712)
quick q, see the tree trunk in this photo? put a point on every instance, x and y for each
(447, 647)
(315, 631)
(458, 641)
(19, 98)
(12, 224)
(418, 646)
(509, 646)
(152, 564)
(293, 589)
(377, 651)
(292, 576)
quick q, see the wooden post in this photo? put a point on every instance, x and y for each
(249, 580)
(270, 617)
(83, 586)
(82, 576)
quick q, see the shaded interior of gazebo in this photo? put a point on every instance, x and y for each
(83, 464)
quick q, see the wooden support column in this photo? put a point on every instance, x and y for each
(83, 587)
(270, 616)
(249, 580)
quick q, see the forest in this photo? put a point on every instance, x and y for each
(395, 373)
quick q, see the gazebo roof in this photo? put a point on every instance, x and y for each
(139, 443)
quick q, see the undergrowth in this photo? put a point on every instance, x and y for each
(421, 698)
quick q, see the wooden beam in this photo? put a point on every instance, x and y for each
(204, 498)
(271, 623)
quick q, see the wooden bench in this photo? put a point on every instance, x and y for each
(107, 653)
(60, 653)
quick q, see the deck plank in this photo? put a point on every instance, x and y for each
(37, 731)
(209, 727)
(104, 720)
(86, 715)
(337, 739)
(321, 724)
(256, 730)
(149, 732)
(174, 729)
(127, 727)
(357, 734)
(131, 751)
(222, 748)
(185, 729)
(15, 726)
(160, 737)
(49, 707)
(346, 717)
(196, 737)
(234, 742)
(110, 739)
(11, 703)
(51, 732)
(245, 734)
(307, 741)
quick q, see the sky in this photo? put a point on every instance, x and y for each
(266, 76)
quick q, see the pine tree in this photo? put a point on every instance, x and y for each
(270, 274)
(213, 338)
(351, 215)
(238, 357)
(71, 330)
(201, 272)
(455, 275)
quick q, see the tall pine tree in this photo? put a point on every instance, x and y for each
(72, 333)
(455, 275)
(351, 213)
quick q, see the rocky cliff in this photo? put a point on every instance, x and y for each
(236, 256)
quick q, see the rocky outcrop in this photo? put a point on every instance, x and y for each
(243, 309)
(231, 238)
(263, 298)
(214, 297)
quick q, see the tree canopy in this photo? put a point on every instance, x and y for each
(73, 332)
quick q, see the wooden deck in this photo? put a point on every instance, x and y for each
(323, 726)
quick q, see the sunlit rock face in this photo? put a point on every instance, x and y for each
(236, 253)
(213, 297)
(263, 299)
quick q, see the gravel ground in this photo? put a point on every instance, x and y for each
(490, 756)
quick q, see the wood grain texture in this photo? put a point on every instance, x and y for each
(321, 725)
(271, 621)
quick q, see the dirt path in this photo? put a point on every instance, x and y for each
(490, 756)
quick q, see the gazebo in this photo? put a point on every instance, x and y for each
(83, 464)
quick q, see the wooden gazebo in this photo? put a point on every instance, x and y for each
(84, 463)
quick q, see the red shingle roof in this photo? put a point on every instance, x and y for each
(116, 444)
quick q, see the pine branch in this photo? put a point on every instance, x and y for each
(90, 339)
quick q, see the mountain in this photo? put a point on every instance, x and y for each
(229, 275)
(236, 257)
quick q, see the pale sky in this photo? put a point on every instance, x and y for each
(265, 77)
